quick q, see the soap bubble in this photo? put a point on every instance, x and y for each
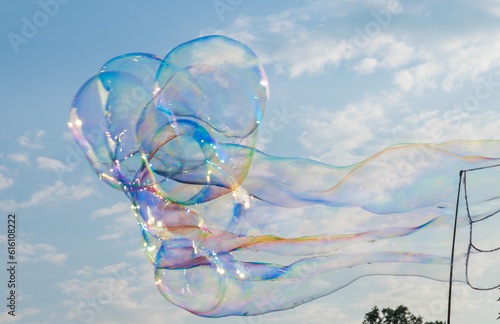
(233, 231)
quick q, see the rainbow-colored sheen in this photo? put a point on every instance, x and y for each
(233, 231)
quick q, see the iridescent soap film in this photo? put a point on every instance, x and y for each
(233, 231)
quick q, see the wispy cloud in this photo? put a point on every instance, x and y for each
(109, 237)
(384, 52)
(287, 41)
(18, 157)
(58, 191)
(52, 164)
(115, 209)
(118, 221)
(8, 205)
(5, 182)
(32, 139)
(32, 311)
(6, 318)
(333, 135)
(434, 305)
(53, 193)
(118, 293)
(312, 313)
(67, 136)
(41, 252)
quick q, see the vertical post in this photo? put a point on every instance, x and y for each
(453, 246)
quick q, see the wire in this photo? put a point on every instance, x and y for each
(463, 178)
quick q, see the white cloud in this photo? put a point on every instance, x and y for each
(430, 299)
(470, 58)
(32, 139)
(438, 127)
(366, 66)
(295, 47)
(67, 136)
(41, 252)
(311, 313)
(52, 318)
(122, 294)
(331, 136)
(287, 41)
(404, 80)
(5, 182)
(19, 157)
(118, 222)
(393, 53)
(6, 318)
(449, 64)
(109, 237)
(54, 193)
(383, 51)
(31, 311)
(86, 271)
(57, 192)
(489, 6)
(8, 205)
(46, 163)
(108, 211)
(419, 78)
(137, 253)
(314, 56)
(114, 268)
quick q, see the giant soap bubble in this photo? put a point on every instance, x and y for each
(233, 231)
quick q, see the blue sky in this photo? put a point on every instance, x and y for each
(347, 79)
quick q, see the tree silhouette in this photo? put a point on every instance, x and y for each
(400, 315)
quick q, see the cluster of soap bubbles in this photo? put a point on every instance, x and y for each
(233, 231)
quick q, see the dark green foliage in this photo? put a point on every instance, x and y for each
(400, 315)
(373, 317)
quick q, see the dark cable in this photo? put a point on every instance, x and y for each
(453, 246)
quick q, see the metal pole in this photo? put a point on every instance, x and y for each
(453, 246)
